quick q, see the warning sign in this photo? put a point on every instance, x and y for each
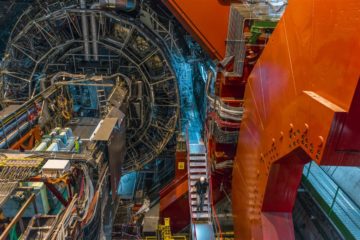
(181, 165)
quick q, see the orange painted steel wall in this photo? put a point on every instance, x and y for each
(302, 102)
(206, 20)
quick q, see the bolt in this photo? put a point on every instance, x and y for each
(321, 141)
(306, 127)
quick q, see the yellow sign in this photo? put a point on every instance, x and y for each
(167, 221)
(181, 165)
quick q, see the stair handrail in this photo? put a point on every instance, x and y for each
(211, 202)
(189, 182)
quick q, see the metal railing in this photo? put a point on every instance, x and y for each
(189, 185)
(337, 205)
(214, 217)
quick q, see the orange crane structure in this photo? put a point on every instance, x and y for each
(301, 101)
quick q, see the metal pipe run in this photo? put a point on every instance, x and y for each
(225, 111)
(14, 129)
(94, 32)
(85, 30)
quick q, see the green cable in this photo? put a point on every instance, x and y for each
(13, 235)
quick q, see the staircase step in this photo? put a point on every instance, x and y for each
(197, 148)
(200, 215)
(197, 158)
(197, 164)
(205, 209)
(198, 170)
(193, 182)
(194, 202)
(194, 196)
(197, 154)
(197, 176)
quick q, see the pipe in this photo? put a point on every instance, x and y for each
(13, 135)
(42, 146)
(94, 37)
(94, 32)
(123, 5)
(5, 130)
(53, 147)
(85, 30)
(225, 111)
(12, 125)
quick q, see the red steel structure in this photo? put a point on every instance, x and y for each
(205, 20)
(302, 103)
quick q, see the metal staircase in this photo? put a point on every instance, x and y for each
(198, 168)
(201, 221)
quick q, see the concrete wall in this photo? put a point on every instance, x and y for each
(348, 179)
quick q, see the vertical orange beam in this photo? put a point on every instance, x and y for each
(302, 103)
(206, 20)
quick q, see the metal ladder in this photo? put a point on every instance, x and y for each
(102, 101)
(41, 226)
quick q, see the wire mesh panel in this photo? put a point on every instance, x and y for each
(5, 189)
(235, 44)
